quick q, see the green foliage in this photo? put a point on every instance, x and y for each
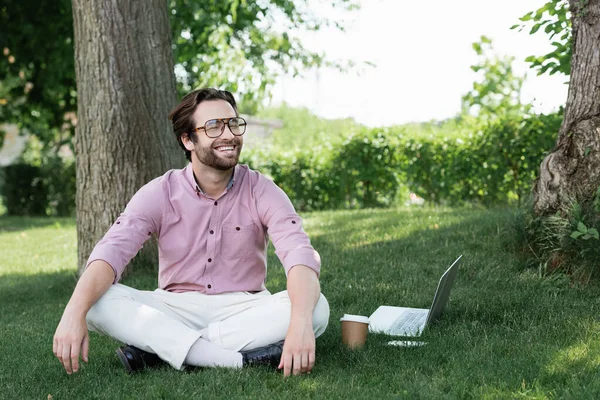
(497, 90)
(359, 173)
(304, 175)
(493, 164)
(554, 18)
(37, 73)
(566, 243)
(44, 189)
(584, 232)
(23, 190)
(367, 169)
(13, 95)
(342, 165)
(240, 45)
(60, 180)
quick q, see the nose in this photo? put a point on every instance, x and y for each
(227, 134)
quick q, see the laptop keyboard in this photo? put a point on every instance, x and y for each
(409, 322)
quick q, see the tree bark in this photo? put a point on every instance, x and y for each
(571, 172)
(125, 89)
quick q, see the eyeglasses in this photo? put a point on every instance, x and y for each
(215, 127)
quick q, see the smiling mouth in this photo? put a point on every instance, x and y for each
(225, 149)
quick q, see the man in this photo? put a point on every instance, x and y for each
(213, 220)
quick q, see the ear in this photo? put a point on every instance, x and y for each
(185, 139)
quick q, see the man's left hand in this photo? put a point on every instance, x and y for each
(298, 355)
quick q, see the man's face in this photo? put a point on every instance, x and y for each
(222, 152)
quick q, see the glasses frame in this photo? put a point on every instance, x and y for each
(225, 123)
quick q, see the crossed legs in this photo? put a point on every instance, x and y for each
(170, 324)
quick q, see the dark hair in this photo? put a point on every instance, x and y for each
(181, 116)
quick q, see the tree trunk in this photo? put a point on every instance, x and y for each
(125, 89)
(571, 172)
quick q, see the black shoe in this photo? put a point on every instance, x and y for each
(134, 359)
(268, 355)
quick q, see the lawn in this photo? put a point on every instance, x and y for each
(507, 332)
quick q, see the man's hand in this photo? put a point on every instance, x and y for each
(71, 339)
(299, 347)
(298, 355)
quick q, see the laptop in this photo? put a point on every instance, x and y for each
(405, 321)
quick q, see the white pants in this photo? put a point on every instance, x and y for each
(168, 324)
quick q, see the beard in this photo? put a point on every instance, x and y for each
(211, 157)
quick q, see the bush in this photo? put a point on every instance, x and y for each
(494, 165)
(361, 172)
(367, 170)
(306, 176)
(48, 189)
(60, 181)
(23, 190)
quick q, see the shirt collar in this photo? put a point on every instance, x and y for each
(190, 177)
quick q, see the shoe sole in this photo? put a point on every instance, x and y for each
(124, 361)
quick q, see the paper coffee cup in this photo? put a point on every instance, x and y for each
(354, 330)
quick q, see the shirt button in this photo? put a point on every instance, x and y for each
(211, 231)
(210, 259)
(237, 228)
(209, 286)
(293, 222)
(216, 202)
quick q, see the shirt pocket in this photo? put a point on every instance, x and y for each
(238, 241)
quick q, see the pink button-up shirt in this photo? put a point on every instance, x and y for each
(205, 244)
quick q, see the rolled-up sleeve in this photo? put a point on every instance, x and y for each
(284, 227)
(131, 229)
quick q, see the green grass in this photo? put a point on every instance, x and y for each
(507, 333)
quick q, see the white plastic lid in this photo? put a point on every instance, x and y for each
(355, 318)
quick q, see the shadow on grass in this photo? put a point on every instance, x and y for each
(14, 223)
(29, 290)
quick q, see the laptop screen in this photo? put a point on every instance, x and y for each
(442, 294)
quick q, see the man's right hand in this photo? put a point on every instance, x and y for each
(71, 339)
